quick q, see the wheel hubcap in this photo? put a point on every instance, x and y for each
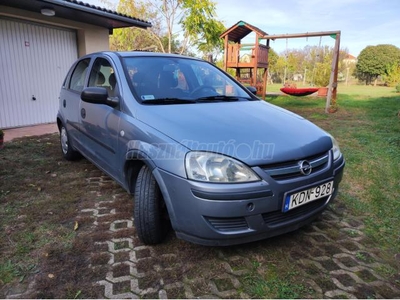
(64, 140)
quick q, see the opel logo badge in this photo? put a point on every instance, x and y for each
(305, 167)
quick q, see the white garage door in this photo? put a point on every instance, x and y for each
(34, 60)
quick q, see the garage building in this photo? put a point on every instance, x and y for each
(39, 40)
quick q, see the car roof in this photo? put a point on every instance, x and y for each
(141, 53)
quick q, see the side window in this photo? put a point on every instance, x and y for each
(78, 75)
(102, 75)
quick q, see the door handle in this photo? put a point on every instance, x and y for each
(83, 113)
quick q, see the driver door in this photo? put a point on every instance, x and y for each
(100, 122)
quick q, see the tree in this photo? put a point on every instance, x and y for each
(201, 27)
(312, 62)
(342, 67)
(273, 67)
(169, 10)
(323, 67)
(374, 61)
(197, 19)
(133, 38)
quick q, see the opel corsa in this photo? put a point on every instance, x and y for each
(195, 148)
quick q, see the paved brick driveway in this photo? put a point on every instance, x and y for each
(333, 254)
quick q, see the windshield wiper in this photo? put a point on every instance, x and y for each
(168, 101)
(218, 98)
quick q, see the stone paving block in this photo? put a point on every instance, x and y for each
(354, 234)
(351, 245)
(237, 265)
(386, 290)
(318, 293)
(345, 280)
(109, 291)
(339, 294)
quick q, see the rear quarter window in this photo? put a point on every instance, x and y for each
(78, 76)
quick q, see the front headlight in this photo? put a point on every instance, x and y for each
(212, 167)
(335, 149)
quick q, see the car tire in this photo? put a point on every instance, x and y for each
(68, 152)
(150, 212)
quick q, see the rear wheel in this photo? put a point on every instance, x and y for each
(68, 152)
(150, 213)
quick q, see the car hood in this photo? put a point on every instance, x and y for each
(254, 132)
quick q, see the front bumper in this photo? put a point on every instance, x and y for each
(227, 214)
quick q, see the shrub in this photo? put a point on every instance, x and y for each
(392, 76)
(322, 74)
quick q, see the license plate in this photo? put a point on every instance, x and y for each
(307, 196)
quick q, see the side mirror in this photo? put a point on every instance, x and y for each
(98, 95)
(252, 89)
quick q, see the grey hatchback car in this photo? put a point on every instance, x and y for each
(198, 151)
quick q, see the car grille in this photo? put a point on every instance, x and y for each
(291, 170)
(228, 224)
(277, 217)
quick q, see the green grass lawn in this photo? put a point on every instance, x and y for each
(367, 126)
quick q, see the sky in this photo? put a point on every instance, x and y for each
(362, 22)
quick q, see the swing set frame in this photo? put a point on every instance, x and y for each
(259, 56)
(332, 87)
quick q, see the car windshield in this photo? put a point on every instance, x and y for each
(176, 80)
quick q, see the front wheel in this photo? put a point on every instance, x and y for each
(68, 152)
(150, 212)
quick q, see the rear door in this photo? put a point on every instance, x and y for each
(99, 123)
(70, 98)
